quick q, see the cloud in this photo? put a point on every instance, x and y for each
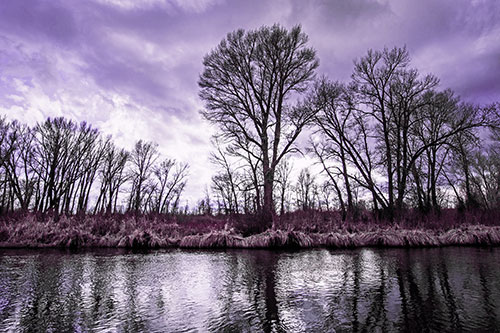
(131, 67)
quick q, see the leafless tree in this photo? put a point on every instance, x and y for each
(283, 180)
(226, 183)
(390, 92)
(306, 190)
(59, 157)
(389, 122)
(17, 150)
(248, 83)
(112, 176)
(170, 179)
(346, 147)
(142, 160)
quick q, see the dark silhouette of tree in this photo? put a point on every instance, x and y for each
(306, 190)
(17, 150)
(142, 158)
(283, 173)
(427, 172)
(390, 92)
(248, 83)
(62, 148)
(170, 179)
(337, 122)
(389, 123)
(54, 167)
(226, 182)
(113, 176)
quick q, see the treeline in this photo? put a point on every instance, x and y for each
(62, 167)
(388, 140)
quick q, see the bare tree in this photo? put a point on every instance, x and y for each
(17, 163)
(284, 184)
(306, 190)
(59, 156)
(390, 123)
(486, 178)
(247, 85)
(112, 175)
(227, 181)
(435, 116)
(89, 152)
(346, 146)
(170, 180)
(143, 158)
(8, 146)
(390, 92)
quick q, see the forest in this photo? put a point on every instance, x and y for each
(399, 157)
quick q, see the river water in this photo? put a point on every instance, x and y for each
(439, 289)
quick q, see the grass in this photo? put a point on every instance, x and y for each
(295, 230)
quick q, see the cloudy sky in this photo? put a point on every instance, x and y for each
(131, 68)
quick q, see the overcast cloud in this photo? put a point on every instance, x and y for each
(131, 68)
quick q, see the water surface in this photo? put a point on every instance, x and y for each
(440, 289)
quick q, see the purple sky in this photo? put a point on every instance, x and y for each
(131, 68)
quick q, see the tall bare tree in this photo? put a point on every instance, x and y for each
(142, 158)
(18, 163)
(169, 179)
(113, 176)
(248, 83)
(385, 124)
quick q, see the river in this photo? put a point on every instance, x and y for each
(437, 289)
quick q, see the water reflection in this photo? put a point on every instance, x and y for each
(449, 289)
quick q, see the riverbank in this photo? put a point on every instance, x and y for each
(131, 232)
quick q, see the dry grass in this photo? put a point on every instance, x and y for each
(217, 239)
(211, 232)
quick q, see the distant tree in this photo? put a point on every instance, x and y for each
(18, 149)
(306, 190)
(142, 158)
(283, 173)
(90, 151)
(327, 195)
(112, 175)
(8, 147)
(247, 84)
(62, 150)
(486, 178)
(225, 183)
(170, 179)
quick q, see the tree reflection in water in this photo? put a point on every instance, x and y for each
(449, 289)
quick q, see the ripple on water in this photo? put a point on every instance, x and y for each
(447, 289)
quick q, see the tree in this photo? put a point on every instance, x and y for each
(143, 158)
(18, 162)
(336, 121)
(112, 177)
(225, 182)
(170, 180)
(248, 84)
(387, 123)
(283, 179)
(306, 190)
(61, 151)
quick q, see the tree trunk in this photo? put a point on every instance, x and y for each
(268, 206)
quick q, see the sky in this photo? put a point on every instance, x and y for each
(130, 68)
